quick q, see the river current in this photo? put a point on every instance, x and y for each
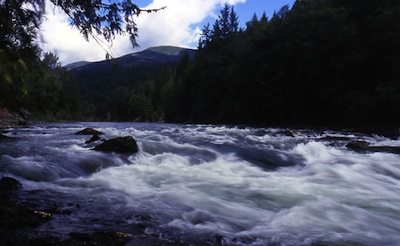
(243, 185)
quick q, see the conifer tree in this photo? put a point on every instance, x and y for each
(19, 27)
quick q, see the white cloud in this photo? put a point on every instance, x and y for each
(179, 24)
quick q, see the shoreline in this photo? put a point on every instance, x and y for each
(46, 217)
(13, 119)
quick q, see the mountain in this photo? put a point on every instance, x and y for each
(150, 56)
(128, 87)
(76, 65)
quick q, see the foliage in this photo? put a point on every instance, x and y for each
(106, 18)
(20, 20)
(26, 80)
(211, 72)
(322, 62)
(29, 80)
(120, 93)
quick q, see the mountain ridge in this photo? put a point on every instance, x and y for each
(152, 55)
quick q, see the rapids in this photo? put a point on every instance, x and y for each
(249, 186)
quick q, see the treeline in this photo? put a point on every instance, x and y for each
(38, 84)
(30, 78)
(322, 62)
(120, 93)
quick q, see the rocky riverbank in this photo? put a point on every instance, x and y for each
(40, 217)
(13, 119)
(24, 217)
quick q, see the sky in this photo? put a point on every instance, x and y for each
(179, 24)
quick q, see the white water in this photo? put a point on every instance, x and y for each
(252, 186)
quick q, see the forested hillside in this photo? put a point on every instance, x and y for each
(37, 83)
(128, 88)
(322, 62)
(29, 77)
(318, 63)
(33, 80)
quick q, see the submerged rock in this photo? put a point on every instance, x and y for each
(123, 145)
(358, 145)
(363, 146)
(278, 133)
(8, 184)
(112, 238)
(94, 138)
(89, 131)
(15, 216)
(286, 132)
(335, 138)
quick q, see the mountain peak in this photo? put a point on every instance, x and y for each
(150, 56)
(168, 50)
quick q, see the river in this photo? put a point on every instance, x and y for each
(194, 183)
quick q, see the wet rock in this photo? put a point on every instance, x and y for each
(17, 219)
(49, 241)
(335, 138)
(8, 184)
(94, 138)
(387, 149)
(363, 146)
(14, 216)
(43, 215)
(89, 131)
(154, 241)
(286, 132)
(111, 238)
(358, 145)
(13, 119)
(219, 240)
(123, 145)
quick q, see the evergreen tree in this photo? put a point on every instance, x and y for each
(209, 81)
(327, 62)
(21, 70)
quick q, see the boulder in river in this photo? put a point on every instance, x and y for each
(89, 131)
(358, 145)
(362, 146)
(94, 138)
(123, 145)
(112, 238)
(8, 184)
(285, 132)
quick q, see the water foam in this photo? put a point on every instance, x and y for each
(211, 179)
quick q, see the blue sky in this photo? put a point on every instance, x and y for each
(179, 24)
(247, 9)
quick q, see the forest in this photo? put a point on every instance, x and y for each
(321, 63)
(331, 63)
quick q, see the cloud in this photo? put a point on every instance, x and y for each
(179, 24)
(59, 36)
